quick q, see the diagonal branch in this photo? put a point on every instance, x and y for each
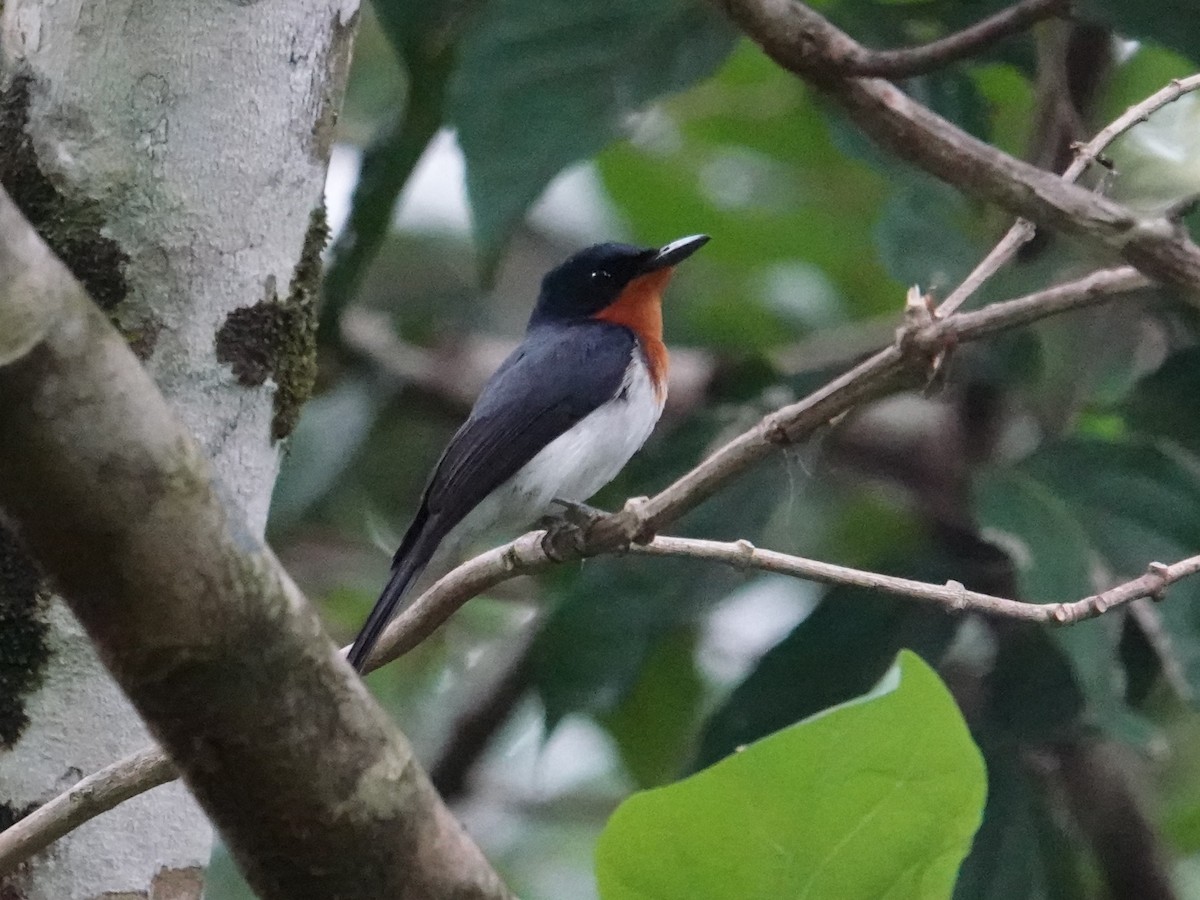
(883, 373)
(903, 63)
(311, 785)
(83, 801)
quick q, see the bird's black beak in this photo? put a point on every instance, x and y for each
(675, 252)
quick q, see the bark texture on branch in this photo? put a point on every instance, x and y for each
(175, 163)
(312, 787)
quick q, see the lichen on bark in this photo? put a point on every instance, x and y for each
(23, 632)
(277, 337)
(72, 226)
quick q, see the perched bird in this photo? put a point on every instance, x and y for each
(560, 417)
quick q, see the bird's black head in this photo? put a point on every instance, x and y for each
(593, 279)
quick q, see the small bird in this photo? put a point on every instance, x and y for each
(560, 417)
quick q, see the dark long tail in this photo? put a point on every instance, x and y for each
(412, 557)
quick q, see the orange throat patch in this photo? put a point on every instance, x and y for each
(639, 308)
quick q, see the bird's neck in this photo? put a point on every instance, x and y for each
(639, 308)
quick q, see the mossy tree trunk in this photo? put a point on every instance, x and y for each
(174, 159)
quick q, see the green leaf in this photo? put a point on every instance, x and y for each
(748, 156)
(1138, 503)
(923, 212)
(589, 654)
(421, 30)
(332, 428)
(1033, 691)
(1054, 559)
(424, 35)
(1010, 98)
(1148, 70)
(875, 798)
(1163, 403)
(1019, 850)
(1120, 488)
(544, 83)
(655, 723)
(1085, 505)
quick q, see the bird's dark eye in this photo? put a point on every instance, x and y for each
(602, 276)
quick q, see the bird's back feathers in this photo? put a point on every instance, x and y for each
(555, 379)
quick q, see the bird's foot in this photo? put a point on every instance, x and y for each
(566, 532)
(581, 515)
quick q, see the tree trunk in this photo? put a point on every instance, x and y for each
(174, 158)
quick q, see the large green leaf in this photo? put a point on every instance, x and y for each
(544, 83)
(876, 798)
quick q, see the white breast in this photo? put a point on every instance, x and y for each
(578, 462)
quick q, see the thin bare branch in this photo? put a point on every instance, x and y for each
(1018, 234)
(84, 800)
(952, 596)
(1088, 153)
(528, 555)
(909, 61)
(1023, 230)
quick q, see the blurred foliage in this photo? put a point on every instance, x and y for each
(541, 85)
(1058, 460)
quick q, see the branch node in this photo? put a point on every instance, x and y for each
(919, 334)
(775, 432)
(562, 541)
(1149, 229)
(637, 522)
(960, 595)
(919, 314)
(1087, 156)
(746, 551)
(1161, 572)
